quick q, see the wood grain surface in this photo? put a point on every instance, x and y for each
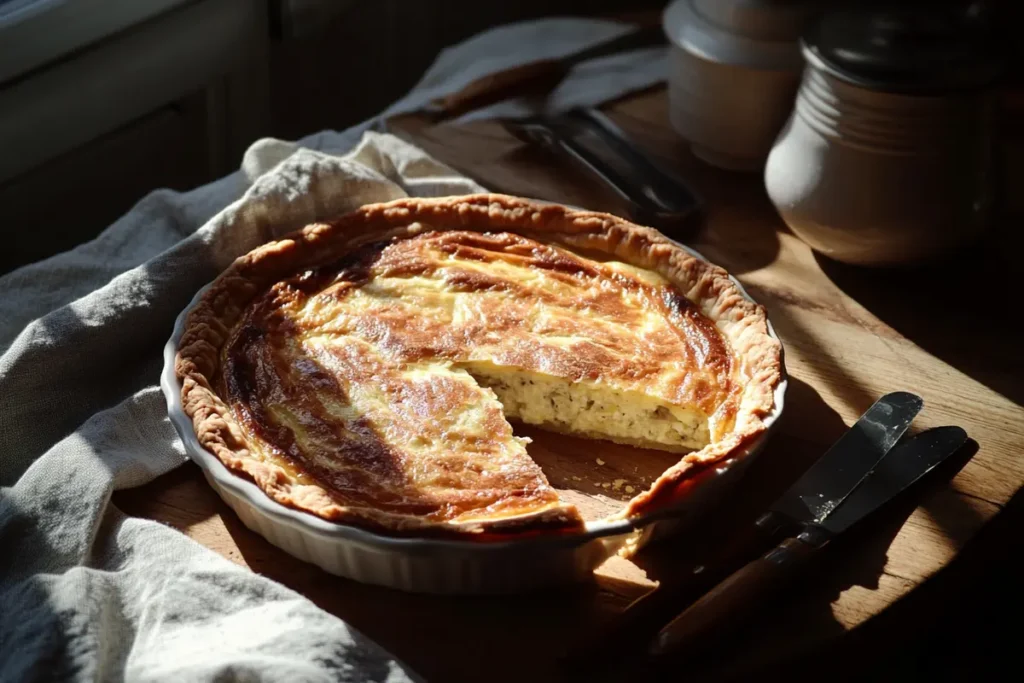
(850, 335)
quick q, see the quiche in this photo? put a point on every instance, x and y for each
(368, 370)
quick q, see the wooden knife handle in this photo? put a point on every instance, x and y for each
(730, 600)
(633, 629)
(521, 80)
(671, 596)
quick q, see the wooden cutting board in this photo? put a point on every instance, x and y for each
(849, 335)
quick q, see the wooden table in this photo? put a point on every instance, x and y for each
(850, 336)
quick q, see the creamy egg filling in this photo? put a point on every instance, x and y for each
(592, 409)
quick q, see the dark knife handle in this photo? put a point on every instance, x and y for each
(708, 619)
(634, 628)
(671, 596)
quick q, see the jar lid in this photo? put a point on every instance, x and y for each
(908, 49)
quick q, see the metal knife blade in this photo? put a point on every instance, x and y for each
(710, 617)
(898, 470)
(838, 472)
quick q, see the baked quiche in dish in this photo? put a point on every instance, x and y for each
(368, 370)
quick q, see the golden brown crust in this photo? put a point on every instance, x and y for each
(742, 323)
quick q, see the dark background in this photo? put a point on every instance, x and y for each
(284, 68)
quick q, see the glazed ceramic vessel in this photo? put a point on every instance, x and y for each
(733, 72)
(887, 156)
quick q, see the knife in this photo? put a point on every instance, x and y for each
(822, 488)
(709, 618)
(534, 77)
(654, 196)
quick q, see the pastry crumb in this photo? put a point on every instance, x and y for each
(630, 489)
(617, 484)
(604, 485)
(600, 461)
(575, 478)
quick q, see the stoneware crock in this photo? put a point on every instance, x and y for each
(887, 156)
(734, 68)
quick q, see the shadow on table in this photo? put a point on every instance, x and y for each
(957, 311)
(956, 626)
(741, 228)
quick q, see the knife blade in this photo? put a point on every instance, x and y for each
(710, 617)
(852, 456)
(535, 76)
(837, 473)
(899, 470)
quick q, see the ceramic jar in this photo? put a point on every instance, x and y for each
(887, 157)
(734, 68)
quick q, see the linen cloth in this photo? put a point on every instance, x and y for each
(87, 593)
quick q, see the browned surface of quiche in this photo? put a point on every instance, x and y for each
(366, 370)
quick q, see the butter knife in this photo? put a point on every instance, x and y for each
(710, 618)
(653, 195)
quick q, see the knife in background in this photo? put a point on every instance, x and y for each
(534, 77)
(590, 140)
(819, 491)
(710, 617)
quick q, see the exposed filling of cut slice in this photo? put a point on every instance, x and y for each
(387, 379)
(593, 409)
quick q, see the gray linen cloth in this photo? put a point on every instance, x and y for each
(87, 593)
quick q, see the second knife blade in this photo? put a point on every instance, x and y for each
(838, 472)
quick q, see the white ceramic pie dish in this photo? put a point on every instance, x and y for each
(440, 565)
